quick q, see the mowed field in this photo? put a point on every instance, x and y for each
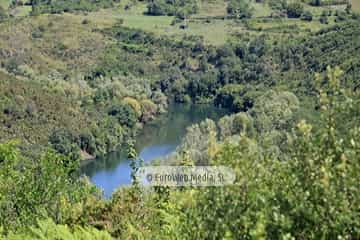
(4, 3)
(356, 5)
(210, 22)
(215, 32)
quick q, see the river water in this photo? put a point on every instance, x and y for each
(156, 140)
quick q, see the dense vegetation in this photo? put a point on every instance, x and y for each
(179, 8)
(82, 83)
(283, 177)
(240, 9)
(59, 6)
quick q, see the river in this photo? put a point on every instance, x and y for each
(157, 139)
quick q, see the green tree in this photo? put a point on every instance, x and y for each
(294, 10)
(240, 9)
(274, 110)
(33, 189)
(236, 124)
(47, 229)
(179, 8)
(316, 2)
(125, 114)
(64, 142)
(200, 141)
(307, 16)
(312, 193)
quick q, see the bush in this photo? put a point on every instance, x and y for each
(59, 6)
(277, 4)
(47, 229)
(64, 142)
(307, 16)
(3, 14)
(87, 143)
(316, 3)
(34, 188)
(310, 194)
(134, 104)
(294, 10)
(149, 110)
(340, 16)
(324, 20)
(274, 110)
(179, 8)
(125, 114)
(236, 124)
(240, 9)
(85, 21)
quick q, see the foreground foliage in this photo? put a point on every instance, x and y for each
(294, 180)
(48, 230)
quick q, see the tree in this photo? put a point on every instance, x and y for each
(179, 8)
(149, 110)
(236, 124)
(134, 104)
(274, 110)
(32, 189)
(240, 9)
(125, 114)
(157, 7)
(198, 141)
(64, 142)
(277, 4)
(47, 229)
(316, 2)
(348, 8)
(307, 16)
(294, 10)
(324, 19)
(312, 193)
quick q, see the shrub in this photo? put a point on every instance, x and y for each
(236, 124)
(125, 114)
(310, 194)
(47, 229)
(274, 110)
(64, 142)
(294, 10)
(3, 14)
(34, 188)
(277, 4)
(179, 8)
(85, 21)
(59, 6)
(324, 20)
(307, 16)
(240, 9)
(160, 100)
(134, 104)
(340, 16)
(149, 110)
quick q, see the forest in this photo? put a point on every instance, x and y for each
(81, 79)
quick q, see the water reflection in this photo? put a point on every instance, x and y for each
(157, 139)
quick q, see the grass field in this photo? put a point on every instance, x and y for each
(284, 25)
(211, 9)
(356, 5)
(47, 53)
(261, 10)
(21, 11)
(214, 31)
(4, 3)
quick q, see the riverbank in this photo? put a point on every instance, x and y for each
(156, 139)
